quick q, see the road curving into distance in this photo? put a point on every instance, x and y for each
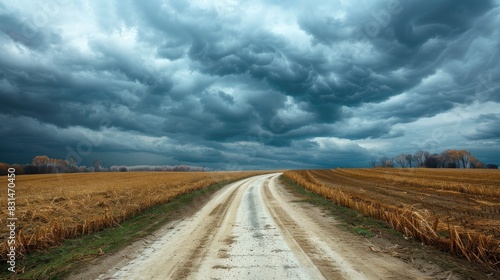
(253, 229)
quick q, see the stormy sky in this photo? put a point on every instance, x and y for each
(236, 84)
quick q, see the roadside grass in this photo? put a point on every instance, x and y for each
(57, 262)
(364, 232)
(353, 221)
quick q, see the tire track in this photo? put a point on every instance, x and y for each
(177, 253)
(214, 220)
(326, 245)
(331, 264)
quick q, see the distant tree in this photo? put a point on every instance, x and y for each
(40, 161)
(458, 159)
(373, 163)
(401, 160)
(386, 162)
(123, 169)
(492, 166)
(61, 166)
(432, 161)
(183, 168)
(72, 164)
(450, 158)
(420, 157)
(19, 168)
(4, 168)
(82, 169)
(475, 163)
(167, 168)
(97, 164)
(450, 164)
(31, 169)
(465, 158)
(44, 164)
(409, 160)
(442, 161)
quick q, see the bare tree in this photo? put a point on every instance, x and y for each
(19, 168)
(73, 164)
(465, 158)
(386, 162)
(401, 160)
(4, 167)
(409, 160)
(97, 164)
(40, 161)
(420, 157)
(475, 163)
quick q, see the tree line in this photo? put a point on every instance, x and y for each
(45, 165)
(446, 159)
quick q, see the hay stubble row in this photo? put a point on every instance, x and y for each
(455, 210)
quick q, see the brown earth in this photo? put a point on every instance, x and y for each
(471, 202)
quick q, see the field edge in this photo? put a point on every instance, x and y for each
(59, 261)
(355, 222)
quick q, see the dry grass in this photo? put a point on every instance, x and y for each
(54, 207)
(455, 210)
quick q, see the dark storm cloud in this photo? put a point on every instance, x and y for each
(420, 22)
(488, 128)
(253, 84)
(28, 34)
(212, 116)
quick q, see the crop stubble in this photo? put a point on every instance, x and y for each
(455, 210)
(54, 207)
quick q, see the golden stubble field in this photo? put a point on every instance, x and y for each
(54, 207)
(455, 210)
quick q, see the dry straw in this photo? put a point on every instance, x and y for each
(419, 224)
(52, 208)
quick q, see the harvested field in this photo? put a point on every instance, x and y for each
(455, 210)
(54, 207)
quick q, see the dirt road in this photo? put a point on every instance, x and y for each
(252, 229)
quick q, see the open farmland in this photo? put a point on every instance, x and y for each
(455, 210)
(53, 207)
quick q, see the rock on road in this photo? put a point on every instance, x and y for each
(252, 229)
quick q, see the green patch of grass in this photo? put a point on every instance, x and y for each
(363, 232)
(59, 261)
(444, 234)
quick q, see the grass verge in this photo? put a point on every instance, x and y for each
(59, 261)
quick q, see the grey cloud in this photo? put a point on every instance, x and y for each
(28, 33)
(172, 50)
(237, 87)
(488, 128)
(420, 21)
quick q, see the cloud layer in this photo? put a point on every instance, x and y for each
(248, 84)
